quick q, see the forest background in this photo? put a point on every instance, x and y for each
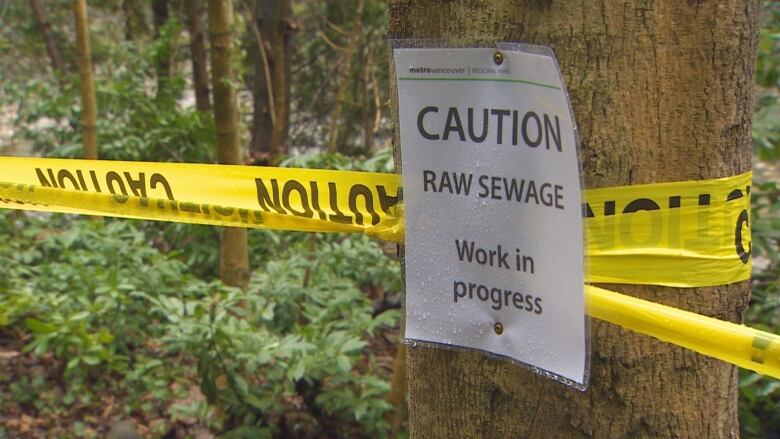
(102, 321)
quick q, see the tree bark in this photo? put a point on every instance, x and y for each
(135, 19)
(160, 15)
(366, 95)
(88, 104)
(234, 258)
(344, 74)
(662, 91)
(274, 25)
(280, 55)
(200, 75)
(57, 66)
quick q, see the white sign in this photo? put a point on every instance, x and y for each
(491, 189)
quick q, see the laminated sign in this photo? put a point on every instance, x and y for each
(494, 235)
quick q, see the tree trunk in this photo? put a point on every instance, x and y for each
(160, 15)
(57, 66)
(272, 52)
(88, 105)
(365, 94)
(280, 55)
(234, 258)
(344, 73)
(135, 19)
(662, 91)
(200, 75)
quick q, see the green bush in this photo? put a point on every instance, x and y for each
(134, 122)
(290, 353)
(759, 395)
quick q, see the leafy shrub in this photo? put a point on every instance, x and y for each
(78, 291)
(285, 354)
(134, 121)
(289, 354)
(760, 396)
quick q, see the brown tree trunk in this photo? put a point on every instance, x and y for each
(280, 56)
(88, 104)
(135, 18)
(57, 66)
(344, 73)
(234, 257)
(200, 75)
(160, 15)
(273, 26)
(366, 99)
(662, 91)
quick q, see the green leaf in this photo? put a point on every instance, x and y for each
(105, 336)
(79, 316)
(344, 363)
(38, 326)
(299, 370)
(90, 360)
(360, 410)
(73, 363)
(353, 344)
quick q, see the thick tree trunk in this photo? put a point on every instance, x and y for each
(200, 75)
(234, 258)
(273, 26)
(88, 104)
(662, 91)
(344, 74)
(57, 66)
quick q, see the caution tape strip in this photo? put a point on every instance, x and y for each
(736, 344)
(681, 234)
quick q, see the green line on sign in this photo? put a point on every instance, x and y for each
(516, 81)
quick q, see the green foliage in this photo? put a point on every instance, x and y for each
(379, 161)
(76, 292)
(290, 350)
(134, 122)
(289, 353)
(325, 29)
(766, 123)
(760, 396)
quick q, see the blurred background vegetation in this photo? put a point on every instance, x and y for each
(116, 319)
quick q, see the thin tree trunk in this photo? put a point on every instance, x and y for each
(160, 15)
(234, 258)
(397, 395)
(344, 74)
(280, 51)
(135, 18)
(57, 66)
(88, 104)
(662, 91)
(200, 75)
(366, 95)
(273, 25)
(261, 81)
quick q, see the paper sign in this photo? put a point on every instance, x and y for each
(494, 243)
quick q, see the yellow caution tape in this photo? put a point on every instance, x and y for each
(680, 234)
(222, 195)
(684, 234)
(737, 344)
